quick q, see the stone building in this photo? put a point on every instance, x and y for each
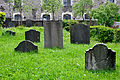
(36, 13)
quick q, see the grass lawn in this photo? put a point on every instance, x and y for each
(49, 64)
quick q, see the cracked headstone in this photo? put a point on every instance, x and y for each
(32, 35)
(80, 34)
(26, 46)
(100, 58)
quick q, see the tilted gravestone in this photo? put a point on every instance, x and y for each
(53, 34)
(29, 23)
(32, 35)
(99, 58)
(9, 32)
(80, 34)
(26, 46)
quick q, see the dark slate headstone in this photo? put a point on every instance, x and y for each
(80, 34)
(8, 32)
(11, 24)
(32, 35)
(100, 58)
(29, 23)
(26, 46)
(53, 34)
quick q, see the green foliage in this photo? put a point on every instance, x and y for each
(68, 23)
(2, 18)
(81, 7)
(50, 64)
(105, 34)
(52, 6)
(25, 6)
(117, 35)
(106, 14)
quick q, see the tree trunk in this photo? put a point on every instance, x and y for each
(83, 17)
(21, 16)
(53, 15)
(90, 20)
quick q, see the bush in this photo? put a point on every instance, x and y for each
(2, 18)
(103, 34)
(68, 23)
(117, 35)
(106, 34)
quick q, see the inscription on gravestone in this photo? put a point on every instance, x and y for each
(53, 34)
(26, 46)
(80, 34)
(32, 35)
(99, 58)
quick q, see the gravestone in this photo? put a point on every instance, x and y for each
(26, 46)
(32, 35)
(29, 23)
(100, 58)
(9, 32)
(80, 34)
(53, 34)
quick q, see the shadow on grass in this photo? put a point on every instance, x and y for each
(20, 52)
(110, 71)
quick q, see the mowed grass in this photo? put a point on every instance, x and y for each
(50, 63)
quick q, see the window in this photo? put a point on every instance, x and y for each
(67, 2)
(2, 9)
(67, 16)
(46, 17)
(34, 13)
(86, 16)
(17, 17)
(111, 1)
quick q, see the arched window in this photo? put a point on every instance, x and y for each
(86, 16)
(111, 1)
(67, 2)
(46, 17)
(67, 16)
(2, 9)
(17, 17)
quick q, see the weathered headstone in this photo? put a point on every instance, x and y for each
(9, 32)
(80, 34)
(32, 35)
(100, 58)
(29, 23)
(26, 46)
(53, 34)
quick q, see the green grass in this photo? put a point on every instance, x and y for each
(49, 64)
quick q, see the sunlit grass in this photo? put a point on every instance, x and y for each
(60, 64)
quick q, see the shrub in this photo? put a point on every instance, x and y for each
(2, 18)
(103, 34)
(68, 23)
(106, 34)
(117, 35)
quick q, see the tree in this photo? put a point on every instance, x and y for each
(2, 18)
(22, 5)
(106, 14)
(52, 6)
(82, 7)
